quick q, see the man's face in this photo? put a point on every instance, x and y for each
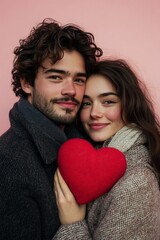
(59, 87)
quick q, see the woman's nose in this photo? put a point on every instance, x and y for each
(96, 112)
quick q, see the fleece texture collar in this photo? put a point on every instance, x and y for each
(44, 133)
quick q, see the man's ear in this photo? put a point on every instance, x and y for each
(27, 88)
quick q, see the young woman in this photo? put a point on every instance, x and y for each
(115, 112)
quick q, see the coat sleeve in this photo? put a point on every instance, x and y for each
(129, 215)
(27, 205)
(19, 212)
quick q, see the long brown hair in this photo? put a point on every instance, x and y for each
(136, 105)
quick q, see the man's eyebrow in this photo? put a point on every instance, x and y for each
(53, 70)
(80, 74)
(102, 94)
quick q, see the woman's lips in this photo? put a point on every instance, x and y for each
(98, 126)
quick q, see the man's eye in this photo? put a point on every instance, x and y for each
(80, 81)
(56, 77)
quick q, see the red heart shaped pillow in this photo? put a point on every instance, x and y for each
(88, 172)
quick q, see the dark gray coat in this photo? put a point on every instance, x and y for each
(28, 151)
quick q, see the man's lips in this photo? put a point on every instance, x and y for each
(67, 104)
(97, 126)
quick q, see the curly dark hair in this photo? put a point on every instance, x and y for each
(50, 39)
(137, 106)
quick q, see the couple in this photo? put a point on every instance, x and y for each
(56, 75)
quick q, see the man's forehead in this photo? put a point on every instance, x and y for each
(49, 67)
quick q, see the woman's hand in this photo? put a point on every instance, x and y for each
(69, 210)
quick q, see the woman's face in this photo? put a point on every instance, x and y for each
(101, 109)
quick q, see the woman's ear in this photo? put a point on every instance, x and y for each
(27, 88)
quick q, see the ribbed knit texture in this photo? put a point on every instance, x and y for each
(124, 139)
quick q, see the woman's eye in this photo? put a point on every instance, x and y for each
(108, 102)
(85, 104)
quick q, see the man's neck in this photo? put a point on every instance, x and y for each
(62, 127)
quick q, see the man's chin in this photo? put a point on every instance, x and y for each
(69, 120)
(64, 119)
(69, 115)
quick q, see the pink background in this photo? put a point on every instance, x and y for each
(127, 29)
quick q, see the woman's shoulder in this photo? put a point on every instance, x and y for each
(139, 172)
(138, 154)
(140, 181)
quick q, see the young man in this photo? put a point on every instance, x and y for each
(49, 75)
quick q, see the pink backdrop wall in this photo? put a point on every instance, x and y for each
(123, 28)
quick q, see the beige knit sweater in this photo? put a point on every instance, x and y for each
(131, 210)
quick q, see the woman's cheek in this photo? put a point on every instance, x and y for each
(84, 116)
(113, 114)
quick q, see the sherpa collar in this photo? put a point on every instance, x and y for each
(45, 133)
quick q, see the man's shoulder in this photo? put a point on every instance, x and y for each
(6, 138)
(14, 147)
(10, 137)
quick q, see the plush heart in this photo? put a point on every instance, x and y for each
(88, 172)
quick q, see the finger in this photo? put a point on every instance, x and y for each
(62, 183)
(67, 193)
(55, 182)
(55, 186)
(58, 191)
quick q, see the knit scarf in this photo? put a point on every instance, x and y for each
(123, 139)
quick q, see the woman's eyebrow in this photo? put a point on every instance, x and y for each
(86, 96)
(108, 94)
(102, 94)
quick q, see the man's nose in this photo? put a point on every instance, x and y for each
(68, 88)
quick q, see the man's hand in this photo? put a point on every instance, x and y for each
(69, 210)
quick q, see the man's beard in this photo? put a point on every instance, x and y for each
(47, 108)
